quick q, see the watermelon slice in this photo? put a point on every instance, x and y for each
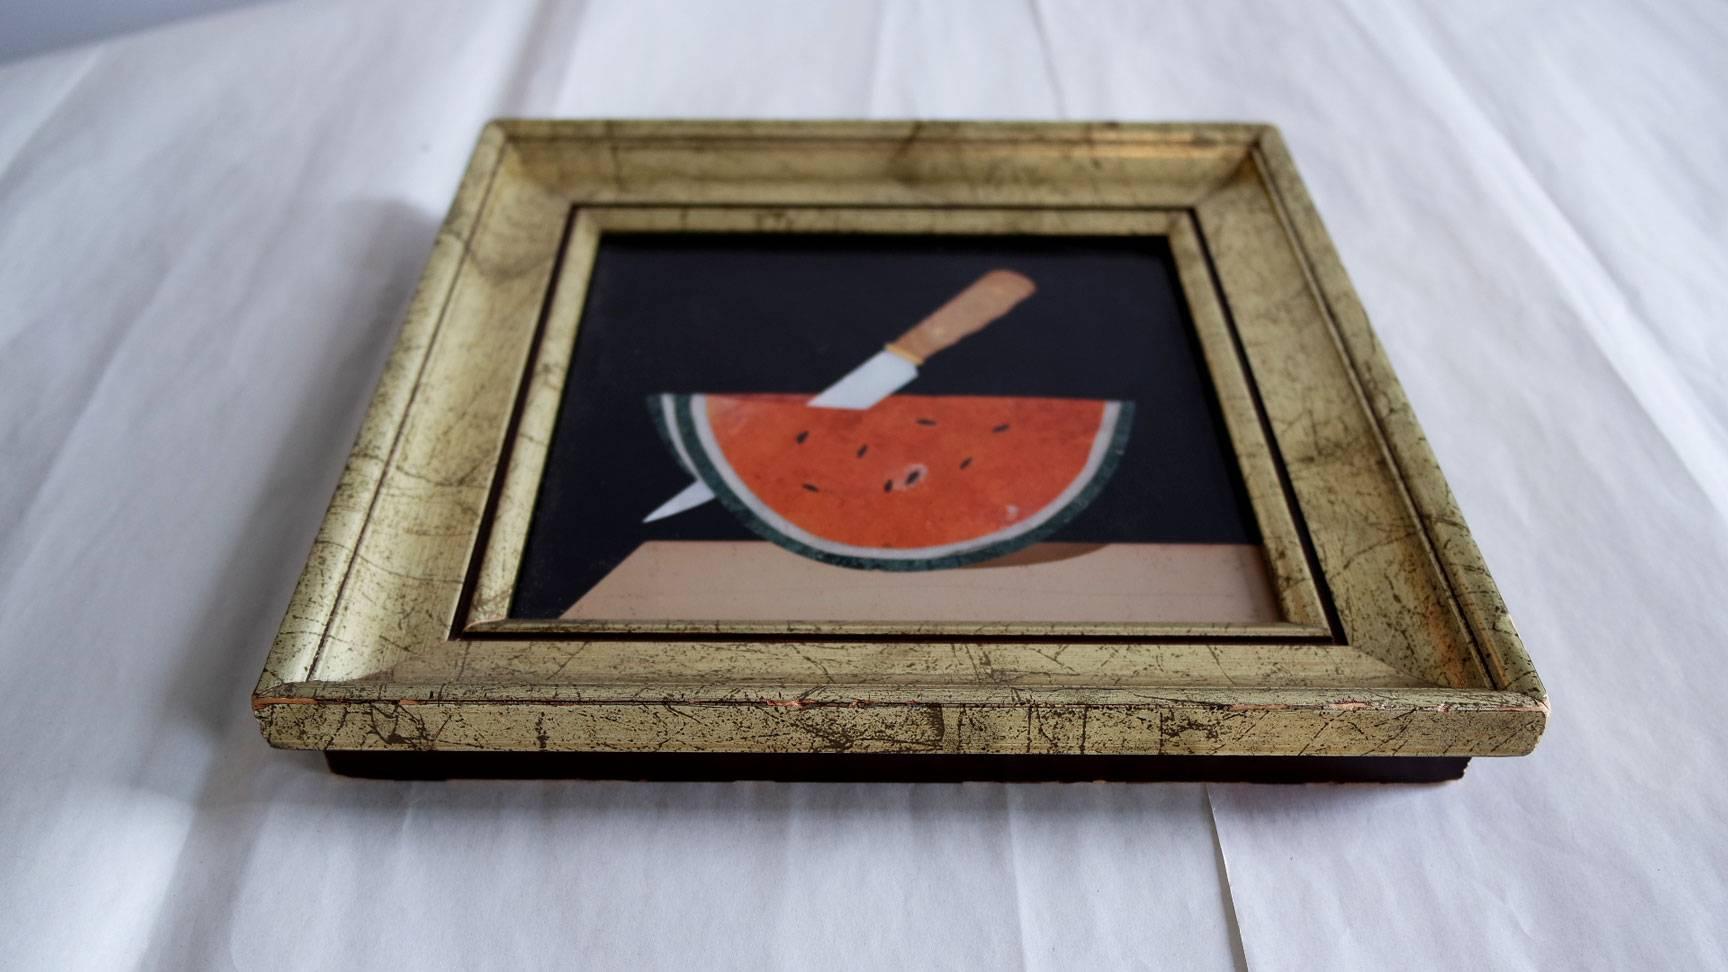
(917, 482)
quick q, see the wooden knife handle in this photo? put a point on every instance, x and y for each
(967, 312)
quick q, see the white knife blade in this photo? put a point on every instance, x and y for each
(688, 498)
(889, 370)
(883, 375)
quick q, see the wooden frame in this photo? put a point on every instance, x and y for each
(1395, 641)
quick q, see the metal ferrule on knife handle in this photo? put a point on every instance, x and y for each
(900, 352)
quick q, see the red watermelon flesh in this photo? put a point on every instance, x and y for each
(917, 482)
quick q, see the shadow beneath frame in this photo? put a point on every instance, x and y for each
(879, 767)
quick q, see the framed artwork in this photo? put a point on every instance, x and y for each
(1062, 460)
(894, 441)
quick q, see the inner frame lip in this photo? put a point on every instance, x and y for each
(614, 218)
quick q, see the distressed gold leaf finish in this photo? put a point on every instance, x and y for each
(1394, 639)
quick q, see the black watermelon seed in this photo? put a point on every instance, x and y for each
(1001, 428)
(862, 449)
(924, 421)
(965, 462)
(811, 487)
(912, 476)
(888, 487)
(802, 436)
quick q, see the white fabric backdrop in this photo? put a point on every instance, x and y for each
(207, 235)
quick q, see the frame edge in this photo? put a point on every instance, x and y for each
(305, 624)
(1460, 559)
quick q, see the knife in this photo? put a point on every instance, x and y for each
(890, 369)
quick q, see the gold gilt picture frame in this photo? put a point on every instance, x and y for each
(1124, 486)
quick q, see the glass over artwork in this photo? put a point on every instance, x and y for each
(802, 427)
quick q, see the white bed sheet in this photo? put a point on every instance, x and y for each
(208, 233)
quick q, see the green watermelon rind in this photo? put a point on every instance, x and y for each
(668, 435)
(680, 439)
